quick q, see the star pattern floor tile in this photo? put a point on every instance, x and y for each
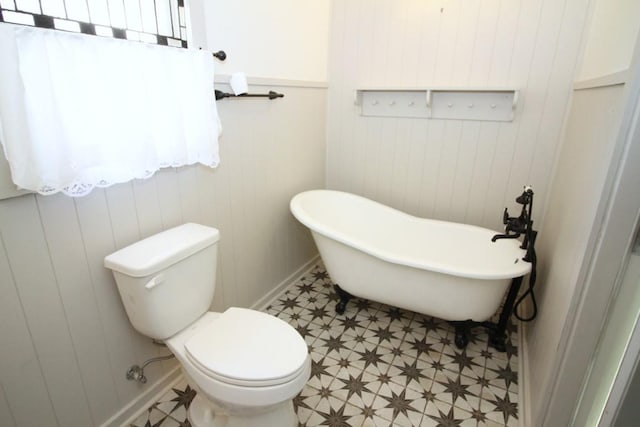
(377, 365)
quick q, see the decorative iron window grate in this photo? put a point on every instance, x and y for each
(152, 21)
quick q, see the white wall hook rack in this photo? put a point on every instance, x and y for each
(492, 104)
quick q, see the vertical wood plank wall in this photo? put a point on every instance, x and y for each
(66, 341)
(585, 158)
(464, 171)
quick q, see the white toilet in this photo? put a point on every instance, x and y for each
(245, 365)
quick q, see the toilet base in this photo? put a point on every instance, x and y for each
(202, 413)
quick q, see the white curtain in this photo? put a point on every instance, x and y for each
(78, 111)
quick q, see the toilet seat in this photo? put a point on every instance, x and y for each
(248, 348)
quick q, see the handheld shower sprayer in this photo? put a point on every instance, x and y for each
(526, 197)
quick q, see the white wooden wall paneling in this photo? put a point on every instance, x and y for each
(6, 418)
(430, 32)
(375, 63)
(496, 196)
(239, 187)
(23, 383)
(414, 170)
(334, 130)
(121, 206)
(123, 347)
(462, 180)
(479, 166)
(370, 23)
(387, 140)
(447, 168)
(306, 169)
(288, 145)
(369, 167)
(482, 169)
(209, 195)
(253, 211)
(272, 151)
(487, 44)
(148, 208)
(412, 31)
(189, 200)
(494, 154)
(66, 249)
(445, 55)
(560, 68)
(435, 143)
(380, 58)
(398, 178)
(557, 93)
(485, 41)
(29, 260)
(507, 27)
(168, 195)
(353, 32)
(217, 199)
(511, 138)
(537, 71)
(466, 41)
(589, 146)
(220, 198)
(265, 146)
(395, 28)
(280, 219)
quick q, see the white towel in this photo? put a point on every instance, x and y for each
(80, 111)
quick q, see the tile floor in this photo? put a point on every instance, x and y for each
(377, 365)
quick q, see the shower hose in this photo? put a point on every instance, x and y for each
(529, 292)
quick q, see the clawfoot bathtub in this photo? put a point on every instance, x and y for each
(447, 270)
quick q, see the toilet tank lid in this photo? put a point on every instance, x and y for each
(161, 250)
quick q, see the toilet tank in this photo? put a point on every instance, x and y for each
(167, 280)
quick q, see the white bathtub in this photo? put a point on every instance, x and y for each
(442, 269)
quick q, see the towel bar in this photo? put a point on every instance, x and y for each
(221, 55)
(271, 95)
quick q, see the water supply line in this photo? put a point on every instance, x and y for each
(532, 258)
(528, 244)
(136, 372)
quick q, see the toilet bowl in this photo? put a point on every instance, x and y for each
(246, 365)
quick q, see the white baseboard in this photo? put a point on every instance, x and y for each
(137, 406)
(264, 302)
(524, 407)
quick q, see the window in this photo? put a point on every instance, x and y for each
(152, 21)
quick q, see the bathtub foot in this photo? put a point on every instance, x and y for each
(344, 299)
(462, 333)
(498, 341)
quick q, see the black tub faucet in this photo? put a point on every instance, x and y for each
(515, 226)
